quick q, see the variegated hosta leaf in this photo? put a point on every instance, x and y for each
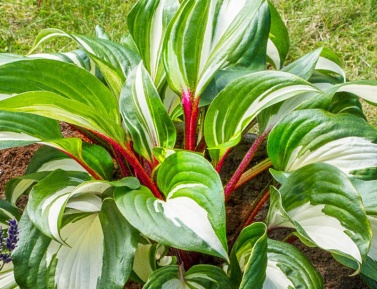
(7, 212)
(114, 61)
(155, 16)
(95, 159)
(67, 80)
(204, 37)
(278, 42)
(67, 191)
(148, 258)
(99, 253)
(305, 66)
(77, 57)
(288, 267)
(192, 217)
(321, 203)
(241, 101)
(144, 114)
(55, 106)
(368, 192)
(20, 129)
(330, 64)
(364, 89)
(7, 280)
(199, 276)
(308, 136)
(248, 259)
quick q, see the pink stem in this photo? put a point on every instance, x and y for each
(255, 211)
(230, 187)
(128, 154)
(190, 106)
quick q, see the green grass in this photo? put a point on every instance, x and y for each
(348, 27)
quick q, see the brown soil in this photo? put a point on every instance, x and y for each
(13, 163)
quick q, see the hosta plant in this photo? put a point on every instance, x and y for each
(138, 195)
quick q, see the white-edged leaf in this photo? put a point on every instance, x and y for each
(199, 276)
(144, 115)
(241, 101)
(67, 80)
(309, 136)
(193, 215)
(20, 129)
(321, 203)
(55, 106)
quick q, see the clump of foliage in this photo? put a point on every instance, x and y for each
(128, 201)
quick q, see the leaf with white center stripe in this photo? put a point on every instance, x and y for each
(114, 61)
(305, 66)
(204, 37)
(20, 129)
(55, 106)
(288, 268)
(248, 259)
(148, 258)
(7, 280)
(278, 42)
(99, 254)
(368, 192)
(364, 89)
(309, 136)
(198, 277)
(240, 102)
(48, 199)
(155, 16)
(144, 114)
(192, 217)
(321, 203)
(329, 64)
(67, 80)
(62, 190)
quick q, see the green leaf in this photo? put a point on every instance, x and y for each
(114, 61)
(155, 16)
(192, 217)
(19, 186)
(144, 114)
(305, 66)
(204, 37)
(329, 64)
(278, 44)
(99, 255)
(321, 203)
(248, 259)
(309, 136)
(52, 105)
(95, 159)
(21, 129)
(240, 102)
(199, 276)
(148, 258)
(7, 212)
(69, 81)
(288, 267)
